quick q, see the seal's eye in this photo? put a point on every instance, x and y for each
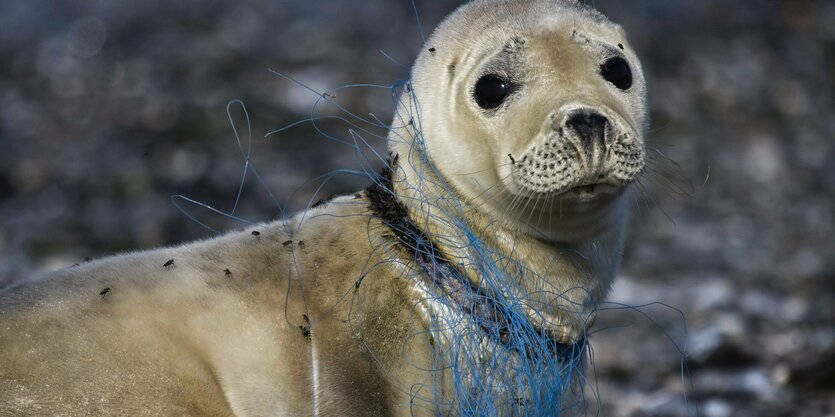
(491, 91)
(617, 72)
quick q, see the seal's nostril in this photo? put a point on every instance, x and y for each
(590, 126)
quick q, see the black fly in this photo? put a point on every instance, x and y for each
(306, 328)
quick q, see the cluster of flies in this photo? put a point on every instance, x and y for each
(171, 264)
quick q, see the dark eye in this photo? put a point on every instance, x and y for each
(491, 91)
(617, 72)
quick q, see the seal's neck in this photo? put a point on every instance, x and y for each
(562, 282)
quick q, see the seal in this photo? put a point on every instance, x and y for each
(461, 282)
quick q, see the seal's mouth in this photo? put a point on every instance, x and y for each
(584, 189)
(592, 189)
(584, 192)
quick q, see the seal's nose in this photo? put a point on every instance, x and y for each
(589, 125)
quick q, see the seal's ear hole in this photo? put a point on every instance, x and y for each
(617, 72)
(491, 91)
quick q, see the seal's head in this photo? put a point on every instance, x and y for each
(537, 107)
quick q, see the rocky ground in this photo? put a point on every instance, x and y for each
(110, 108)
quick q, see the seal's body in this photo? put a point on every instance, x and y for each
(514, 146)
(190, 339)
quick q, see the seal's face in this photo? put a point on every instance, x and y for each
(548, 109)
(580, 136)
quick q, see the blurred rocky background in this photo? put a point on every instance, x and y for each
(108, 108)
